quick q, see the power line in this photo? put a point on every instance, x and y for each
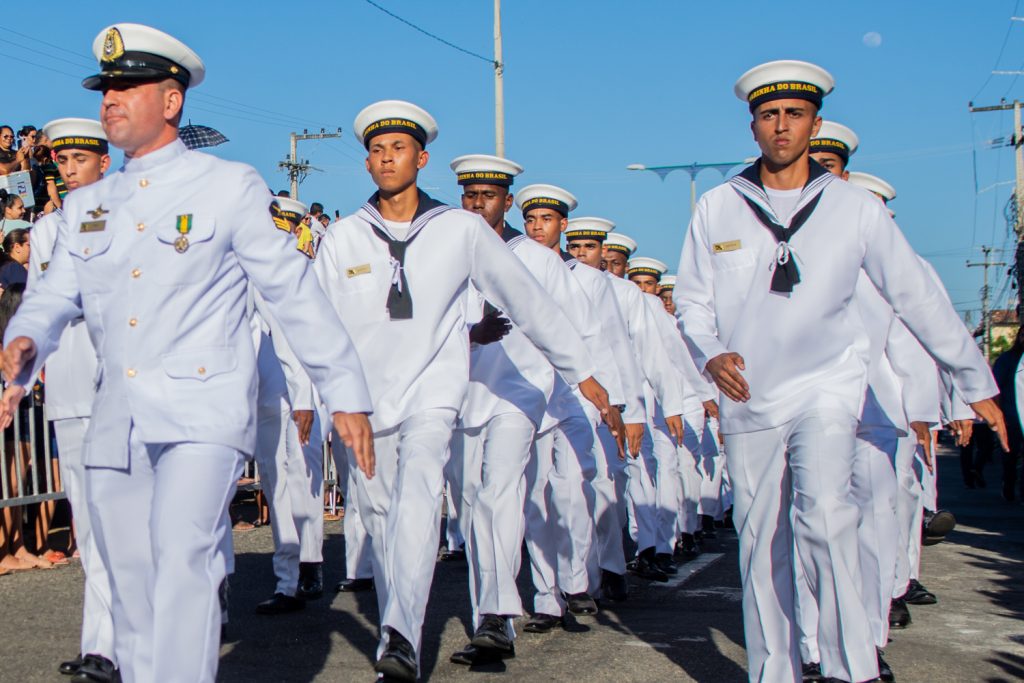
(1002, 48)
(431, 35)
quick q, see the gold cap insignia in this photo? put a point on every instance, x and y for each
(113, 46)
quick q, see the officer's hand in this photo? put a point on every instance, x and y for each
(725, 370)
(596, 394)
(304, 421)
(711, 409)
(356, 433)
(17, 354)
(988, 410)
(962, 430)
(9, 404)
(493, 327)
(675, 428)
(924, 440)
(634, 437)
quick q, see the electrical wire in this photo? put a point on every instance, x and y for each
(1002, 48)
(431, 35)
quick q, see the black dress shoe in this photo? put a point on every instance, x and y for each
(686, 548)
(280, 604)
(707, 523)
(614, 586)
(580, 604)
(663, 561)
(398, 663)
(492, 634)
(311, 580)
(96, 669)
(645, 568)
(937, 525)
(541, 623)
(70, 667)
(884, 670)
(919, 595)
(478, 656)
(354, 585)
(899, 615)
(447, 555)
(812, 673)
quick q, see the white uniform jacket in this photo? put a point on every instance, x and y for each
(71, 369)
(801, 349)
(175, 348)
(695, 388)
(423, 362)
(512, 375)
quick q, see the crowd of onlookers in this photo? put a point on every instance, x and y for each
(982, 449)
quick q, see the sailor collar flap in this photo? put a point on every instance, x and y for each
(427, 209)
(512, 237)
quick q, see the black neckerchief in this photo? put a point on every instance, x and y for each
(749, 186)
(400, 298)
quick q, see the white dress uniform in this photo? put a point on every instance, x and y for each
(805, 398)
(157, 257)
(70, 390)
(407, 319)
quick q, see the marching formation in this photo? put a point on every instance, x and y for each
(565, 392)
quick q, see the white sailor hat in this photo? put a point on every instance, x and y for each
(835, 138)
(484, 169)
(874, 184)
(784, 80)
(76, 134)
(394, 116)
(287, 212)
(616, 241)
(644, 265)
(588, 228)
(134, 52)
(545, 196)
(667, 282)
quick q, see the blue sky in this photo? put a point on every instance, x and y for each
(590, 87)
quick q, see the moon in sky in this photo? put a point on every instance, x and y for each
(872, 39)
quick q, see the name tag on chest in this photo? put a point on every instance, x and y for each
(722, 247)
(357, 270)
(93, 226)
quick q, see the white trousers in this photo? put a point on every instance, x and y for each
(691, 478)
(159, 527)
(929, 482)
(609, 489)
(803, 468)
(358, 554)
(401, 509)
(642, 495)
(712, 471)
(97, 621)
(454, 540)
(668, 489)
(292, 478)
(559, 523)
(909, 513)
(874, 489)
(490, 464)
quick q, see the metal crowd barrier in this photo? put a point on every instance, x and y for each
(27, 483)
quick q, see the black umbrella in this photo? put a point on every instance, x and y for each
(197, 137)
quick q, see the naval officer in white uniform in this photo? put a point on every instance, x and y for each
(397, 272)
(771, 257)
(157, 258)
(81, 151)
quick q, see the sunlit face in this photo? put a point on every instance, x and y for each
(16, 210)
(80, 167)
(6, 138)
(394, 160)
(616, 262)
(783, 129)
(489, 201)
(545, 226)
(833, 163)
(134, 114)
(586, 251)
(666, 298)
(21, 252)
(647, 283)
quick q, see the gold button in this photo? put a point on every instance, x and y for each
(143, 183)
(131, 372)
(87, 251)
(133, 322)
(202, 371)
(136, 273)
(140, 227)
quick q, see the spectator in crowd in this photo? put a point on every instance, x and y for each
(1005, 372)
(14, 260)
(11, 160)
(44, 177)
(12, 213)
(325, 220)
(14, 556)
(27, 137)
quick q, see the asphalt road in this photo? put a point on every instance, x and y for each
(687, 631)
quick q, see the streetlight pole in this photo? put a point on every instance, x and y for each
(694, 170)
(499, 85)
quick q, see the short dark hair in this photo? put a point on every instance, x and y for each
(284, 193)
(316, 208)
(25, 130)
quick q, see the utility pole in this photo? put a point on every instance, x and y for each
(298, 170)
(986, 316)
(499, 85)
